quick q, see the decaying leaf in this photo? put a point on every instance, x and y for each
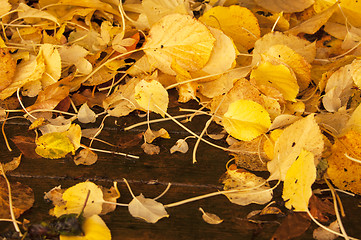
(210, 217)
(86, 115)
(12, 165)
(26, 145)
(150, 149)
(22, 198)
(246, 120)
(147, 209)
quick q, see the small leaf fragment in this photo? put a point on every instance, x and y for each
(210, 217)
(85, 157)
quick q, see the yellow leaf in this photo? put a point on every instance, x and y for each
(151, 95)
(54, 145)
(299, 45)
(351, 10)
(299, 179)
(344, 172)
(287, 56)
(178, 38)
(52, 65)
(5, 7)
(210, 217)
(30, 14)
(302, 134)
(74, 135)
(284, 5)
(237, 22)
(269, 144)
(278, 76)
(7, 69)
(75, 198)
(250, 186)
(245, 120)
(94, 228)
(223, 55)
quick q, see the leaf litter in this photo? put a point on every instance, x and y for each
(283, 80)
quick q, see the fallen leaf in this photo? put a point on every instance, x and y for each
(294, 225)
(22, 198)
(85, 157)
(75, 198)
(284, 5)
(320, 209)
(210, 217)
(147, 209)
(180, 146)
(298, 181)
(278, 76)
(150, 149)
(253, 189)
(12, 165)
(7, 68)
(152, 96)
(178, 38)
(150, 135)
(54, 145)
(322, 234)
(26, 145)
(246, 120)
(86, 115)
(303, 134)
(31, 14)
(94, 228)
(237, 22)
(344, 172)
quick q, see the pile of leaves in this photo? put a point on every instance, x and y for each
(282, 79)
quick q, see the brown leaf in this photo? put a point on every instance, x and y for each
(13, 164)
(22, 198)
(7, 68)
(110, 195)
(64, 104)
(128, 141)
(51, 96)
(26, 145)
(320, 208)
(294, 225)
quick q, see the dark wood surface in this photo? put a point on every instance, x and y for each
(188, 180)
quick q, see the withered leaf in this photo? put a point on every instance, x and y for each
(22, 198)
(26, 145)
(294, 225)
(7, 68)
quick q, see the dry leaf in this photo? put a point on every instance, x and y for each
(322, 234)
(150, 149)
(180, 146)
(22, 198)
(147, 209)
(86, 115)
(85, 157)
(7, 68)
(26, 145)
(210, 217)
(293, 225)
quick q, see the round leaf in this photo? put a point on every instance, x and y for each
(245, 120)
